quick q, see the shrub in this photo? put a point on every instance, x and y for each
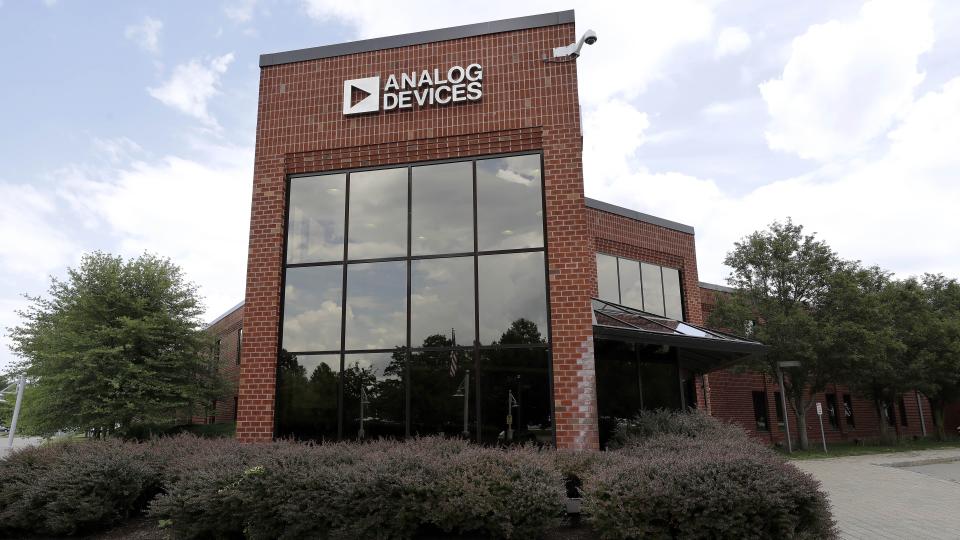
(700, 478)
(74, 487)
(372, 490)
(651, 424)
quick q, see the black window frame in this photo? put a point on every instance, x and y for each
(239, 343)
(408, 259)
(848, 406)
(760, 413)
(833, 412)
(902, 411)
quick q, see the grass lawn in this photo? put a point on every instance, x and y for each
(852, 449)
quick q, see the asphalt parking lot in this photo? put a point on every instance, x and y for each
(913, 495)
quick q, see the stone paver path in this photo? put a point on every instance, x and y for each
(880, 496)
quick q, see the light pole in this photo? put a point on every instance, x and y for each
(783, 399)
(16, 408)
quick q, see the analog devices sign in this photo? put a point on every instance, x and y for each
(414, 89)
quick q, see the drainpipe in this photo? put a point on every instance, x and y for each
(923, 424)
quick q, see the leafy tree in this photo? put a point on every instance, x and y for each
(930, 329)
(862, 313)
(118, 342)
(782, 277)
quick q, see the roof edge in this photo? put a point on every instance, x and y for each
(224, 315)
(715, 287)
(639, 216)
(417, 38)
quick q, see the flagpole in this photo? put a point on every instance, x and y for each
(466, 405)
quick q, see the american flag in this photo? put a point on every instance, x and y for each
(453, 354)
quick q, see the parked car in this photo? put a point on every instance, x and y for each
(4, 429)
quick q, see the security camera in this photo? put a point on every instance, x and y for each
(573, 50)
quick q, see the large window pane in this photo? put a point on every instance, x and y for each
(442, 208)
(378, 214)
(509, 203)
(307, 396)
(514, 396)
(607, 286)
(373, 395)
(652, 289)
(442, 389)
(311, 308)
(441, 302)
(672, 300)
(631, 290)
(376, 305)
(315, 222)
(513, 301)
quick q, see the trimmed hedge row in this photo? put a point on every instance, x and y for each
(704, 479)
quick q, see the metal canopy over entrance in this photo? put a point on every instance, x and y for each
(698, 349)
(646, 362)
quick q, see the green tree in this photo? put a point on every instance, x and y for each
(930, 330)
(862, 312)
(118, 342)
(782, 277)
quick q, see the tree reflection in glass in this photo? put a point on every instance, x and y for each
(306, 405)
(442, 389)
(511, 287)
(373, 396)
(514, 388)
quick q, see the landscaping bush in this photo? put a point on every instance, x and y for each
(73, 487)
(699, 478)
(692, 477)
(373, 490)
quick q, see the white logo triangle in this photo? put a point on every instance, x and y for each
(370, 86)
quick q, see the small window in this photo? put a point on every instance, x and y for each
(903, 412)
(608, 287)
(236, 407)
(832, 411)
(212, 419)
(888, 414)
(239, 344)
(760, 411)
(779, 403)
(848, 411)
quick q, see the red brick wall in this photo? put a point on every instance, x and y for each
(227, 330)
(527, 104)
(731, 398)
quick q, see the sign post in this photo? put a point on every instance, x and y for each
(823, 437)
(783, 400)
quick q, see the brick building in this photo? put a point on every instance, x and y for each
(422, 258)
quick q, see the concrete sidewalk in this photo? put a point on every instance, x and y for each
(18, 442)
(881, 496)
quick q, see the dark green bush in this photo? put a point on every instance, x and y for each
(652, 424)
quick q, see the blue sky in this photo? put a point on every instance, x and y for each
(129, 126)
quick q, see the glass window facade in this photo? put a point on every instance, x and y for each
(647, 287)
(415, 303)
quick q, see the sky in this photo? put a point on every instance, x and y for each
(129, 126)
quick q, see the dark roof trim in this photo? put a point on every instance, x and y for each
(417, 38)
(639, 216)
(715, 287)
(224, 315)
(630, 335)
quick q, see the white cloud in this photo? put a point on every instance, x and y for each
(731, 41)
(192, 85)
(195, 211)
(146, 34)
(846, 82)
(240, 11)
(32, 242)
(896, 210)
(636, 39)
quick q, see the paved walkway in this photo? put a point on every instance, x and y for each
(18, 442)
(892, 496)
